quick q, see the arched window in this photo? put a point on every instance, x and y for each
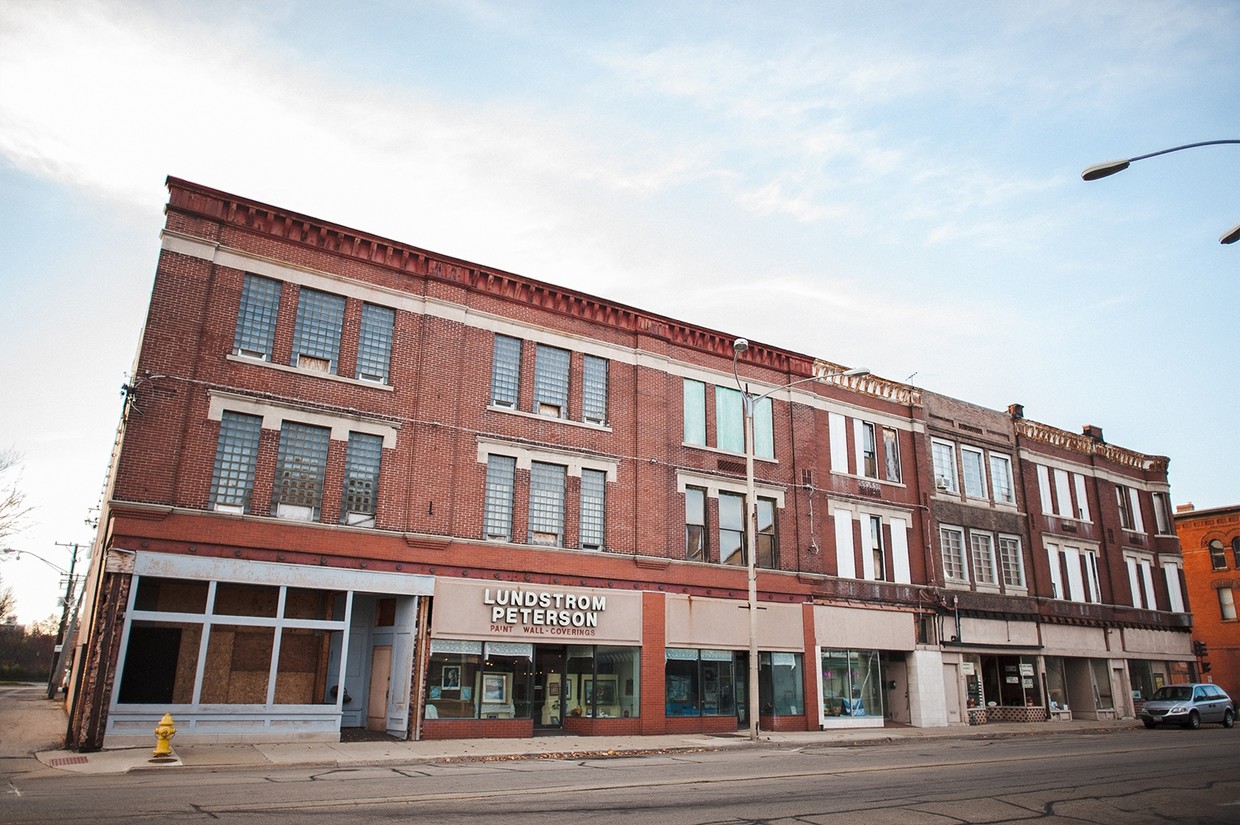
(1218, 555)
(1235, 551)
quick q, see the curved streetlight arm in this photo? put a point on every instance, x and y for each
(1110, 167)
(17, 554)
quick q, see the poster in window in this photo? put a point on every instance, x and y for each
(495, 688)
(451, 677)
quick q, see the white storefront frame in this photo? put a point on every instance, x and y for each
(131, 724)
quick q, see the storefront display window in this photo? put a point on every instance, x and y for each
(1056, 683)
(781, 690)
(851, 683)
(700, 682)
(1010, 681)
(496, 680)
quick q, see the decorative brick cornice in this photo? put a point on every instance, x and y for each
(1078, 443)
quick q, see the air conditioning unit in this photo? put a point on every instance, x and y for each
(940, 484)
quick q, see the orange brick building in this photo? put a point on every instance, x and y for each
(1211, 544)
(361, 484)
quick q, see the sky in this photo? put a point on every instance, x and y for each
(888, 185)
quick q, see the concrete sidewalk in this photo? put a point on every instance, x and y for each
(44, 722)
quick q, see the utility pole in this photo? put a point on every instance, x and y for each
(58, 656)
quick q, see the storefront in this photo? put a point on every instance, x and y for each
(862, 673)
(508, 660)
(253, 651)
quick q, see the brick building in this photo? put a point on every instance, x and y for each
(360, 484)
(1211, 542)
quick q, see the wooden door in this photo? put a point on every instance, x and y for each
(380, 679)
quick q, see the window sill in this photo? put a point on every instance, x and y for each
(354, 382)
(588, 425)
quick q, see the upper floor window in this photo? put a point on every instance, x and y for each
(729, 420)
(1226, 604)
(951, 540)
(1056, 489)
(316, 335)
(300, 468)
(1141, 580)
(1218, 555)
(594, 390)
(236, 456)
(1235, 551)
(879, 564)
(1162, 514)
(891, 454)
(869, 450)
(1074, 573)
(983, 547)
(944, 457)
(695, 524)
(1011, 562)
(732, 529)
(547, 482)
(374, 343)
(884, 546)
(1129, 508)
(1001, 478)
(506, 372)
(593, 509)
(974, 472)
(497, 498)
(361, 479)
(768, 545)
(256, 319)
(551, 381)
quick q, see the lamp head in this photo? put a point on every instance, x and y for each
(855, 373)
(740, 345)
(1232, 235)
(1102, 170)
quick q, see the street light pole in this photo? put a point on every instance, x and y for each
(749, 402)
(1111, 167)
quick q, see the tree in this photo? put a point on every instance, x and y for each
(7, 601)
(13, 508)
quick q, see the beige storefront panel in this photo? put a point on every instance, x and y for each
(853, 629)
(534, 613)
(724, 623)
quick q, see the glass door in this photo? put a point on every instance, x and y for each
(549, 688)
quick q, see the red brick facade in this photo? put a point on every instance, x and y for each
(438, 422)
(1211, 542)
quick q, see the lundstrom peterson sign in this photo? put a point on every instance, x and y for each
(544, 611)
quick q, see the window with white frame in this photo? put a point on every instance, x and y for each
(974, 472)
(766, 535)
(695, 523)
(1226, 604)
(1141, 580)
(955, 568)
(594, 389)
(1218, 555)
(891, 454)
(1173, 575)
(1162, 514)
(732, 529)
(497, 498)
(593, 509)
(1074, 573)
(729, 420)
(877, 569)
(1082, 500)
(236, 457)
(374, 343)
(547, 483)
(506, 372)
(1001, 478)
(1063, 494)
(316, 334)
(551, 381)
(1129, 504)
(1011, 562)
(361, 479)
(301, 466)
(943, 454)
(868, 450)
(983, 557)
(256, 318)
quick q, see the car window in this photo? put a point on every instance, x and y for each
(1199, 694)
(1172, 693)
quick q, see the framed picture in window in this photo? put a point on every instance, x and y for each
(451, 679)
(495, 688)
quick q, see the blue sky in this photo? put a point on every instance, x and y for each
(887, 185)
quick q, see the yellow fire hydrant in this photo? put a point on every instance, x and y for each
(163, 736)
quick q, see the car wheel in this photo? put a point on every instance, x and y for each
(1229, 719)
(1194, 720)
(1150, 723)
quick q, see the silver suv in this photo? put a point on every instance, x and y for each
(1189, 705)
